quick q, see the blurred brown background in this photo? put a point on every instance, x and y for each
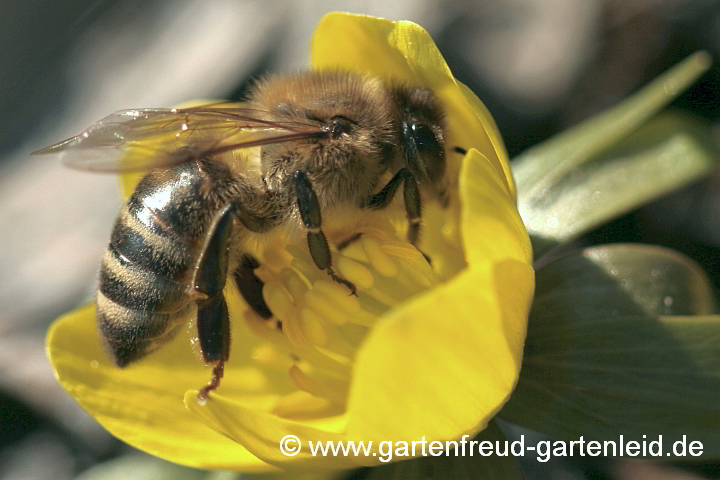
(540, 66)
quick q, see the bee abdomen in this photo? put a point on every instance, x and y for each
(146, 278)
(139, 302)
(162, 253)
(137, 310)
(131, 334)
(134, 287)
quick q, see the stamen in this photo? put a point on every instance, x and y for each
(339, 343)
(294, 284)
(338, 293)
(299, 405)
(328, 362)
(276, 257)
(323, 326)
(321, 305)
(450, 231)
(261, 327)
(348, 304)
(355, 272)
(312, 328)
(281, 355)
(420, 273)
(292, 331)
(403, 250)
(335, 390)
(379, 260)
(269, 355)
(383, 297)
(356, 252)
(278, 299)
(372, 305)
(307, 269)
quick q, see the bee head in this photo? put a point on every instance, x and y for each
(357, 114)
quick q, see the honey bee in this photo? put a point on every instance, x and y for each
(327, 144)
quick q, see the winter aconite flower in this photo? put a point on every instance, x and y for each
(422, 351)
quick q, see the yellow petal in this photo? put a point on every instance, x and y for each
(143, 404)
(493, 132)
(261, 433)
(490, 223)
(405, 52)
(444, 364)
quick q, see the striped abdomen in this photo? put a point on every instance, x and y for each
(146, 274)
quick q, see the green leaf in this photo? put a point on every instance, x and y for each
(666, 153)
(600, 363)
(140, 467)
(226, 475)
(584, 177)
(454, 467)
(576, 145)
(283, 475)
(633, 277)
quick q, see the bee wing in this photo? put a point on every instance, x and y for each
(132, 140)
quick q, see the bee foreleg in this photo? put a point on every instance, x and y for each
(309, 208)
(411, 195)
(213, 320)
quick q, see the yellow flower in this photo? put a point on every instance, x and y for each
(422, 351)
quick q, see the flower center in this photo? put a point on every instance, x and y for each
(317, 326)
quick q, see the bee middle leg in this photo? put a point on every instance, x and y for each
(412, 198)
(411, 195)
(309, 208)
(213, 319)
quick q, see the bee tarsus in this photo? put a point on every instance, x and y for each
(217, 375)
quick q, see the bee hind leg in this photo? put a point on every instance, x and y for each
(213, 319)
(213, 323)
(309, 208)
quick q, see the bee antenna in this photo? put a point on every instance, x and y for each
(459, 150)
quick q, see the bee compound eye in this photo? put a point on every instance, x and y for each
(339, 126)
(423, 139)
(425, 149)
